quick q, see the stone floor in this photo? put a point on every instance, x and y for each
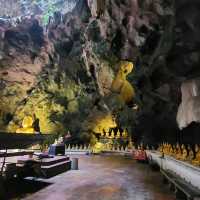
(106, 178)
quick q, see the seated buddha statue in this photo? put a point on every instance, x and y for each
(178, 152)
(196, 160)
(112, 134)
(125, 134)
(27, 125)
(107, 134)
(102, 134)
(184, 153)
(166, 148)
(118, 134)
(159, 148)
(163, 147)
(174, 151)
(190, 154)
(171, 150)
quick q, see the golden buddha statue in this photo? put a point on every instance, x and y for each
(118, 134)
(120, 85)
(178, 152)
(27, 125)
(168, 146)
(190, 154)
(171, 150)
(130, 143)
(112, 134)
(184, 153)
(125, 133)
(174, 151)
(196, 160)
(160, 148)
(107, 134)
(165, 149)
(102, 134)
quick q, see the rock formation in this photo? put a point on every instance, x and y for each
(63, 72)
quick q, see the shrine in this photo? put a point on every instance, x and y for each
(99, 100)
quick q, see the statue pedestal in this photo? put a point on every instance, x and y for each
(58, 149)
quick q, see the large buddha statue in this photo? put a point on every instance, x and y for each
(27, 125)
(120, 85)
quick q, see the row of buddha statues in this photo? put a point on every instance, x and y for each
(182, 152)
(112, 134)
(78, 147)
(106, 147)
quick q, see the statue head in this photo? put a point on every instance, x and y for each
(126, 67)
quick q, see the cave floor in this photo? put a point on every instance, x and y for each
(106, 178)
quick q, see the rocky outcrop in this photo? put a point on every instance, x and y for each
(26, 8)
(24, 54)
(188, 110)
(65, 75)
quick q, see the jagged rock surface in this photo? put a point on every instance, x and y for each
(74, 68)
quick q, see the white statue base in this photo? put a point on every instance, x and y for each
(188, 172)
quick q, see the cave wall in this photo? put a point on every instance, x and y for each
(67, 75)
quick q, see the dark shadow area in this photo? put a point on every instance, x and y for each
(17, 189)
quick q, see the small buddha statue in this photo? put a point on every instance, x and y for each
(196, 160)
(184, 153)
(190, 154)
(178, 152)
(130, 143)
(125, 134)
(112, 134)
(168, 149)
(118, 134)
(160, 148)
(102, 134)
(164, 148)
(107, 134)
(171, 150)
(174, 151)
